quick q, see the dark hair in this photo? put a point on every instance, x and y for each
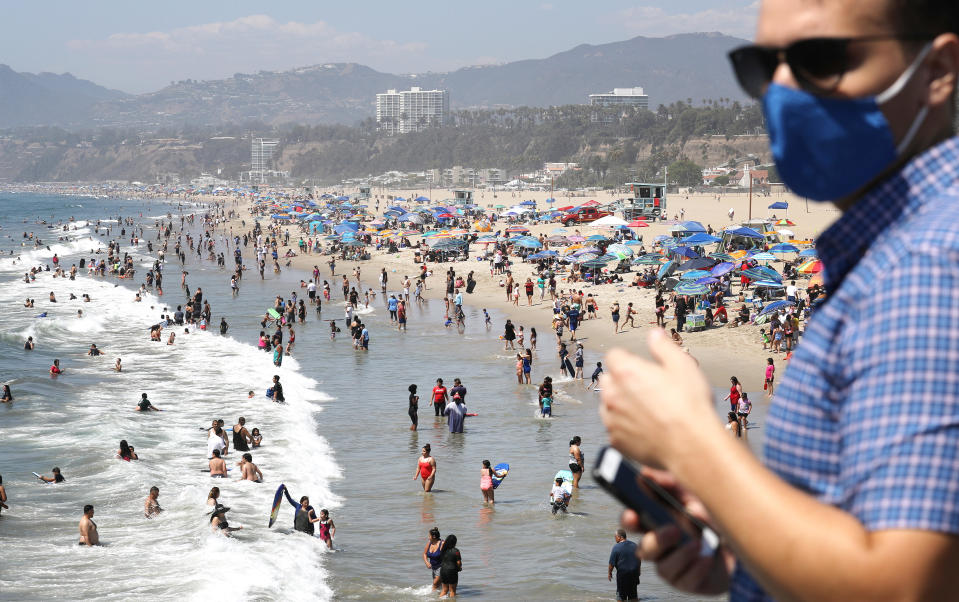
(486, 463)
(769, 361)
(734, 380)
(450, 542)
(212, 491)
(56, 469)
(154, 489)
(305, 498)
(412, 388)
(731, 415)
(575, 440)
(87, 508)
(216, 453)
(124, 449)
(427, 447)
(434, 532)
(931, 17)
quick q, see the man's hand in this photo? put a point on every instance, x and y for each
(682, 567)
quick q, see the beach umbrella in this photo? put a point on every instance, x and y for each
(633, 243)
(528, 243)
(816, 279)
(786, 233)
(813, 266)
(517, 228)
(354, 243)
(620, 248)
(342, 198)
(745, 233)
(667, 268)
(784, 247)
(776, 306)
(499, 206)
(528, 204)
(779, 205)
(695, 275)
(690, 227)
(768, 284)
(736, 255)
(421, 199)
(684, 252)
(649, 260)
(595, 263)
(700, 263)
(700, 238)
(584, 251)
(785, 222)
(707, 280)
(575, 239)
(722, 269)
(596, 237)
(808, 253)
(609, 221)
(763, 256)
(691, 288)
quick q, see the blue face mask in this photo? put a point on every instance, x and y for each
(828, 148)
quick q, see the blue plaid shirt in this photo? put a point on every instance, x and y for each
(867, 415)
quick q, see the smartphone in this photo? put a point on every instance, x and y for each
(655, 506)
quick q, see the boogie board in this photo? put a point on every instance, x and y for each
(501, 467)
(273, 313)
(41, 478)
(567, 477)
(277, 500)
(569, 368)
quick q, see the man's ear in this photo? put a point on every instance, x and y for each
(944, 63)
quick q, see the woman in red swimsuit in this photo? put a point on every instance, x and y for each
(735, 392)
(426, 469)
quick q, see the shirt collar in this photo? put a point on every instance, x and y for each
(844, 243)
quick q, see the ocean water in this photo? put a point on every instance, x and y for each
(343, 438)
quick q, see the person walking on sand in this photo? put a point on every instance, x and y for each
(426, 469)
(614, 314)
(770, 377)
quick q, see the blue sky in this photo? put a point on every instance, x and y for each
(142, 46)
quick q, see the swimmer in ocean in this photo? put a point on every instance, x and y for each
(249, 470)
(56, 478)
(217, 465)
(88, 529)
(151, 507)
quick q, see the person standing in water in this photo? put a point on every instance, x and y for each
(241, 436)
(576, 463)
(440, 397)
(451, 563)
(305, 514)
(413, 407)
(486, 481)
(327, 528)
(3, 496)
(88, 529)
(151, 507)
(426, 469)
(431, 556)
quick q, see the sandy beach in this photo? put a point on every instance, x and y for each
(720, 351)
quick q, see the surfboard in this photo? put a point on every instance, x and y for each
(273, 313)
(41, 478)
(570, 368)
(502, 467)
(277, 499)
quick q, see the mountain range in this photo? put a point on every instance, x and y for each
(674, 68)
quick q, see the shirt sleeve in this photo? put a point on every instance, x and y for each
(900, 416)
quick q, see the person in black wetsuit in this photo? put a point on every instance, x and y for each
(305, 515)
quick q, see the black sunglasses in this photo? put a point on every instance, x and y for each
(818, 64)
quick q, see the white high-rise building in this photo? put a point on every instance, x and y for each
(620, 97)
(411, 110)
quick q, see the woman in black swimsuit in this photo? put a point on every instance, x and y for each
(414, 404)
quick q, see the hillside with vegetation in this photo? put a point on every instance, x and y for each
(612, 146)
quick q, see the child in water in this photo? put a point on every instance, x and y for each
(547, 411)
(449, 321)
(487, 319)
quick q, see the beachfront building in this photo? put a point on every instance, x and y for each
(411, 110)
(635, 98)
(626, 99)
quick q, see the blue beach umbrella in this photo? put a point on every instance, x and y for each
(722, 269)
(808, 253)
(695, 275)
(667, 268)
(776, 306)
(784, 247)
(691, 288)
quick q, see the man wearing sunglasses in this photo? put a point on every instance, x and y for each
(859, 495)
